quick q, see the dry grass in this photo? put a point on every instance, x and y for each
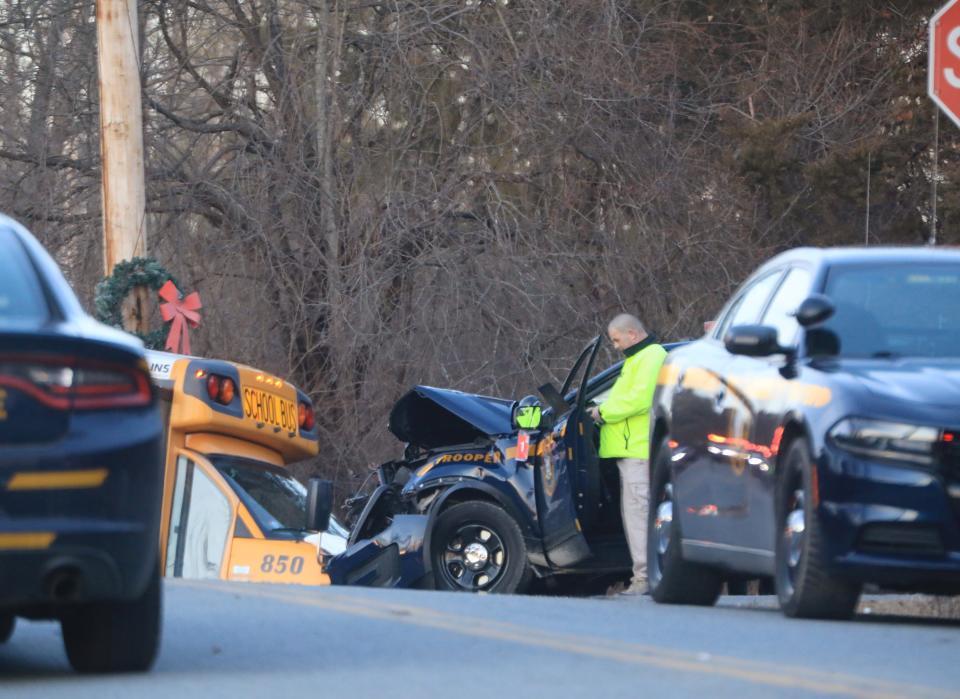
(926, 606)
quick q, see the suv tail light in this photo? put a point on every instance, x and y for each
(66, 383)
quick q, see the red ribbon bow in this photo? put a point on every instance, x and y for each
(183, 313)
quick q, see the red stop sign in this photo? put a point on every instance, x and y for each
(943, 81)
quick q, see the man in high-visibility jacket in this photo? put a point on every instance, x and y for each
(624, 419)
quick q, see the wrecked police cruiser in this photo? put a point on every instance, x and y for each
(491, 493)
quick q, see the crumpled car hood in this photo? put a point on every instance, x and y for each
(433, 417)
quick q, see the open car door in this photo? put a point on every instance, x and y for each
(567, 457)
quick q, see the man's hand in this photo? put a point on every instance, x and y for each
(594, 412)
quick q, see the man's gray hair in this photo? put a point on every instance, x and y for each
(625, 323)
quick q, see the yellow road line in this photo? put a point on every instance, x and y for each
(57, 480)
(755, 672)
(26, 540)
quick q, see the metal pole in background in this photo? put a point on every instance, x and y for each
(121, 143)
(932, 240)
(866, 228)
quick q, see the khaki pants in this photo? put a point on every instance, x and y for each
(634, 503)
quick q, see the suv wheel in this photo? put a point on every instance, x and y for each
(804, 586)
(115, 636)
(673, 580)
(478, 547)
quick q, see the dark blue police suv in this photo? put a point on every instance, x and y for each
(80, 470)
(813, 436)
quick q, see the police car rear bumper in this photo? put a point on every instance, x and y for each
(76, 569)
(896, 525)
(79, 520)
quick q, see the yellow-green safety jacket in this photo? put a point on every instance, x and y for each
(625, 432)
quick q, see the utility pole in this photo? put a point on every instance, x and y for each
(121, 145)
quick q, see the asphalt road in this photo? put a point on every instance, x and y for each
(244, 640)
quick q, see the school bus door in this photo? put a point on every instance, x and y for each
(201, 523)
(212, 534)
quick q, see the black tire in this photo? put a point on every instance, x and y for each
(671, 579)
(477, 546)
(115, 636)
(8, 623)
(803, 583)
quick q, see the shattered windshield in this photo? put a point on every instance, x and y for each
(277, 500)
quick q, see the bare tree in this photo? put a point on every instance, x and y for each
(370, 195)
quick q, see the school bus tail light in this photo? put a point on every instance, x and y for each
(227, 391)
(307, 417)
(67, 383)
(213, 386)
(221, 389)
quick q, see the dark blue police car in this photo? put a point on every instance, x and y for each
(813, 436)
(483, 500)
(80, 469)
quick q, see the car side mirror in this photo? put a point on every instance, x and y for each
(815, 309)
(527, 414)
(753, 341)
(319, 504)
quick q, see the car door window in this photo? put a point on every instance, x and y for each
(747, 308)
(780, 313)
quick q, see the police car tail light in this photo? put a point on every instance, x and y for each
(221, 388)
(307, 416)
(880, 439)
(67, 383)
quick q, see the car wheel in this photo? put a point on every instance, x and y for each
(671, 579)
(116, 636)
(804, 586)
(7, 623)
(478, 547)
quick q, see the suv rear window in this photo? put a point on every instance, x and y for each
(21, 296)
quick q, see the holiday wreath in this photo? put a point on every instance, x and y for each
(127, 275)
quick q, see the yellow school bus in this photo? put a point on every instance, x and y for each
(231, 508)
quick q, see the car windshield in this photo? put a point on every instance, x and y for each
(904, 310)
(21, 298)
(277, 500)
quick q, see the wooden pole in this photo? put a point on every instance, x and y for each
(121, 144)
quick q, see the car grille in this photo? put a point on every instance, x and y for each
(901, 540)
